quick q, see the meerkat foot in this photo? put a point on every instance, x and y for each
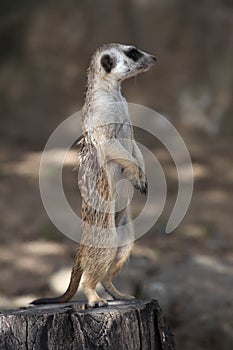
(123, 297)
(97, 303)
(115, 294)
(126, 297)
(120, 296)
(93, 298)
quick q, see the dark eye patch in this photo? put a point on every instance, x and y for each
(134, 54)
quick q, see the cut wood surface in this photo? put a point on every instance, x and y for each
(137, 324)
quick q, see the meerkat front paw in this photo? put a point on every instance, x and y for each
(140, 182)
(143, 181)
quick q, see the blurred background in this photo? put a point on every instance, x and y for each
(45, 48)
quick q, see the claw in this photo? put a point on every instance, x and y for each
(143, 189)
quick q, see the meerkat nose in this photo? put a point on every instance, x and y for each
(154, 58)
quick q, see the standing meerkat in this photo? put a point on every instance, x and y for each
(108, 151)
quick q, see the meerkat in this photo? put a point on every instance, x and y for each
(108, 150)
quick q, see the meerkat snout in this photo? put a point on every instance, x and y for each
(146, 63)
(136, 55)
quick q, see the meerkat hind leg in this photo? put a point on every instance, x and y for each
(89, 285)
(122, 256)
(123, 252)
(122, 217)
(96, 262)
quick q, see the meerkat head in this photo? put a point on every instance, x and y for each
(120, 62)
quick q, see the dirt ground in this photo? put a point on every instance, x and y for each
(42, 81)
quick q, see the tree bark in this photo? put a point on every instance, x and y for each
(131, 325)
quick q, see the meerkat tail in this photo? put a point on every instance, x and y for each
(75, 278)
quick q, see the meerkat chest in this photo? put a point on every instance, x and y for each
(123, 125)
(108, 115)
(112, 110)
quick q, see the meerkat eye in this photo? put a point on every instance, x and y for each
(107, 63)
(134, 54)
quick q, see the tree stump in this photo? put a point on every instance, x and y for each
(132, 325)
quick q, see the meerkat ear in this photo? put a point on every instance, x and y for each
(107, 63)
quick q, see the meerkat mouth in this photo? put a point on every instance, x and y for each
(144, 68)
